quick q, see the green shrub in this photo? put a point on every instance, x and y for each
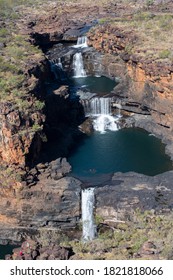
(3, 32)
(164, 54)
(39, 105)
(14, 51)
(143, 16)
(9, 67)
(149, 2)
(36, 127)
(128, 48)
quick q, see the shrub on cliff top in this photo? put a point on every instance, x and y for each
(164, 54)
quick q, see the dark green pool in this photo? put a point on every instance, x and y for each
(97, 156)
(100, 85)
(5, 250)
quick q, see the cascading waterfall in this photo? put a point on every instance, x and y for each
(78, 66)
(100, 108)
(81, 42)
(89, 228)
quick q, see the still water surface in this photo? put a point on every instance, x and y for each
(97, 156)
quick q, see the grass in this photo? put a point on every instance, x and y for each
(115, 243)
(152, 31)
(15, 57)
(165, 54)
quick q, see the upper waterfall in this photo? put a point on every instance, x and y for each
(81, 42)
(78, 65)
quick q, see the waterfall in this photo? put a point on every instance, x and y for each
(78, 65)
(97, 106)
(59, 64)
(100, 108)
(105, 122)
(89, 228)
(81, 42)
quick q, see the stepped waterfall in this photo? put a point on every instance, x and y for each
(100, 109)
(81, 42)
(78, 65)
(89, 228)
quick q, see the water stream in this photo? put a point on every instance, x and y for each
(78, 65)
(81, 42)
(89, 228)
(108, 148)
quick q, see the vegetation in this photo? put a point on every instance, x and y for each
(125, 241)
(151, 29)
(16, 53)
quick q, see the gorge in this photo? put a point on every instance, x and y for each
(99, 95)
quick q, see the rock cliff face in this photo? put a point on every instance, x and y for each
(40, 197)
(46, 200)
(145, 87)
(18, 129)
(63, 22)
(131, 191)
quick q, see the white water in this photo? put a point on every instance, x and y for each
(105, 122)
(59, 64)
(89, 228)
(81, 42)
(78, 66)
(100, 108)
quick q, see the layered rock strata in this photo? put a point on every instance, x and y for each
(145, 86)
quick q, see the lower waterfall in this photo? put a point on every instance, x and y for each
(89, 228)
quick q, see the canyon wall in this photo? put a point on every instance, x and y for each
(43, 198)
(18, 125)
(145, 86)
